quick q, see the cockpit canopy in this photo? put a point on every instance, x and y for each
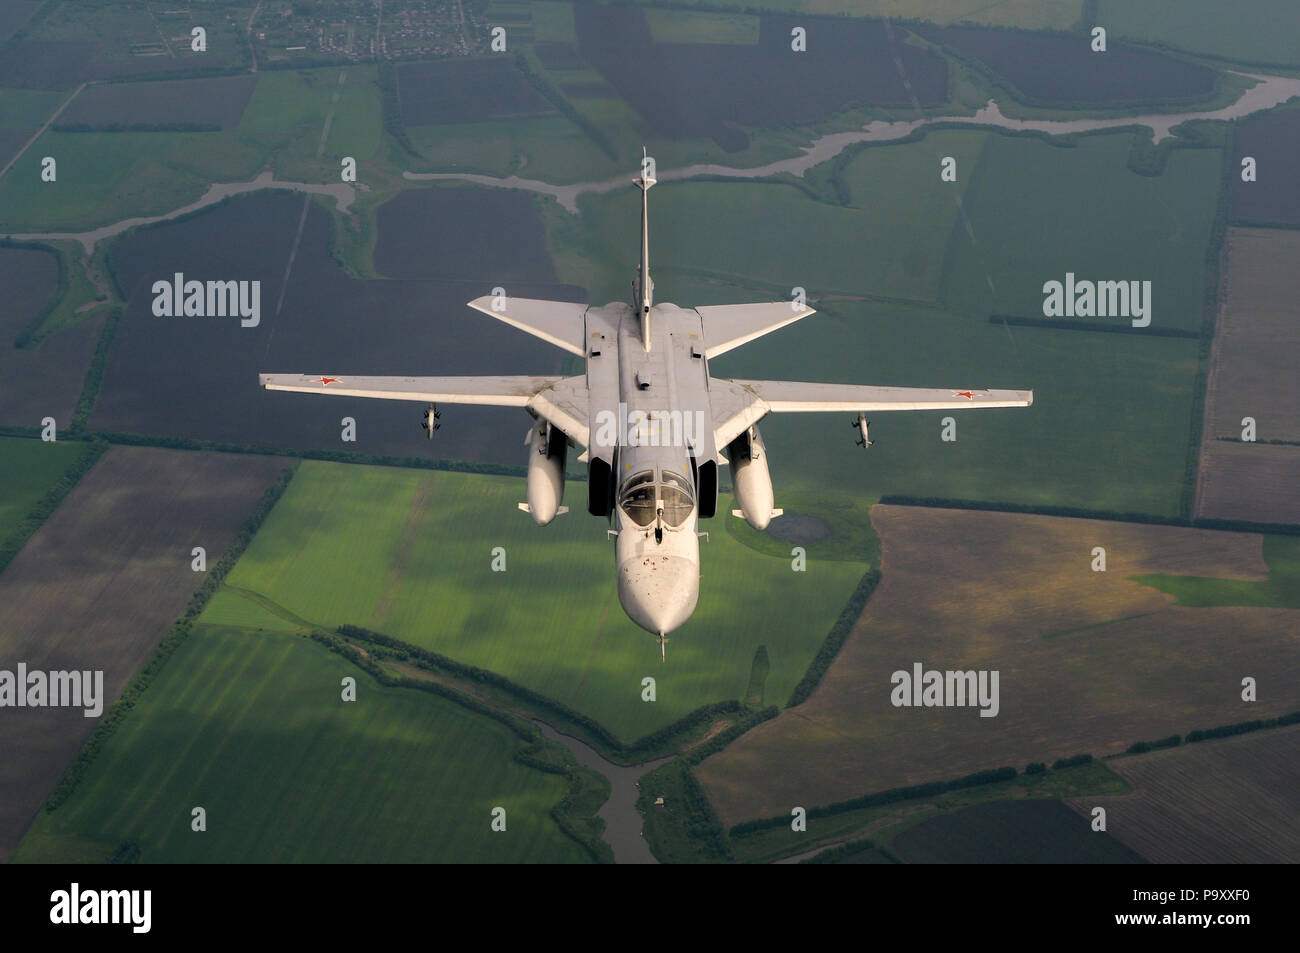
(643, 497)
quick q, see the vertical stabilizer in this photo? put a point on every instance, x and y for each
(644, 284)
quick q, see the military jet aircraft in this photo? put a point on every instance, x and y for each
(654, 422)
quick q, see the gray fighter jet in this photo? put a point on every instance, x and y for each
(656, 426)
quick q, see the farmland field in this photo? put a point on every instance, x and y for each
(1011, 832)
(409, 554)
(1252, 372)
(21, 113)
(683, 26)
(1039, 211)
(1062, 70)
(1057, 452)
(14, 14)
(423, 233)
(1089, 661)
(28, 469)
(234, 715)
(1023, 14)
(97, 586)
(216, 101)
(1227, 801)
(889, 240)
(1281, 589)
(713, 91)
(881, 822)
(322, 321)
(437, 92)
(1273, 140)
(104, 178)
(44, 381)
(1232, 32)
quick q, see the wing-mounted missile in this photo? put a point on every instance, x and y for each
(862, 423)
(751, 480)
(547, 447)
(429, 420)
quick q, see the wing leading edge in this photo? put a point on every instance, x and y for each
(561, 400)
(738, 404)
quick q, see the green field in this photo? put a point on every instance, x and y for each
(888, 241)
(1023, 14)
(684, 26)
(105, 177)
(1232, 31)
(1056, 453)
(1039, 211)
(553, 22)
(28, 469)
(23, 110)
(1280, 590)
(235, 715)
(408, 553)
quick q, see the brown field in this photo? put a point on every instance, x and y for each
(1252, 374)
(97, 587)
(1088, 662)
(1249, 481)
(1230, 801)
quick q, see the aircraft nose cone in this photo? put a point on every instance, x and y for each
(658, 592)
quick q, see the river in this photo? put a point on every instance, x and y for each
(1269, 91)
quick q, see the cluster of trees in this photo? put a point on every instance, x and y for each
(1138, 747)
(1067, 324)
(1073, 762)
(178, 633)
(835, 639)
(838, 853)
(587, 791)
(47, 504)
(929, 789)
(28, 337)
(95, 373)
(570, 112)
(391, 101)
(575, 722)
(1245, 526)
(137, 127)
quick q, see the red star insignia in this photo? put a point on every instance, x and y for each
(969, 395)
(329, 380)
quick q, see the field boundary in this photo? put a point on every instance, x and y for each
(44, 508)
(835, 639)
(1240, 526)
(575, 814)
(94, 378)
(990, 776)
(27, 337)
(177, 634)
(667, 740)
(1215, 260)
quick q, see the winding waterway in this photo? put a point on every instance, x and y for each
(1269, 91)
(342, 193)
(623, 821)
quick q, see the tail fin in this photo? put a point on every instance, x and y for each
(645, 285)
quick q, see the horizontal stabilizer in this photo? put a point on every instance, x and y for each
(561, 323)
(728, 326)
